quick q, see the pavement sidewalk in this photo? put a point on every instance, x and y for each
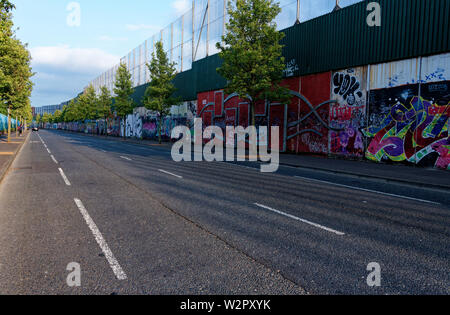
(417, 176)
(8, 151)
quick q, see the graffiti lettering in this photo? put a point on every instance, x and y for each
(347, 86)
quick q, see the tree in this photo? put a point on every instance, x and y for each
(123, 89)
(15, 69)
(159, 94)
(45, 118)
(252, 54)
(57, 116)
(6, 6)
(72, 112)
(87, 104)
(104, 105)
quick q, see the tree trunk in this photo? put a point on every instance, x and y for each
(9, 124)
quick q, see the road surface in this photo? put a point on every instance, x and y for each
(138, 223)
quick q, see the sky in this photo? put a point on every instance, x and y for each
(68, 53)
(66, 57)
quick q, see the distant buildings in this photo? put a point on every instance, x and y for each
(50, 109)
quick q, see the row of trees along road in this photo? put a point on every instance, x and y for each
(158, 96)
(15, 70)
(252, 64)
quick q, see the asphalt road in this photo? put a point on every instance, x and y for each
(138, 223)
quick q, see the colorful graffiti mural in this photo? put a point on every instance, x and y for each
(407, 127)
(348, 114)
(303, 125)
(4, 123)
(151, 126)
(133, 126)
(314, 118)
(396, 112)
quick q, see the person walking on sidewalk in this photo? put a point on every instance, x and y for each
(20, 130)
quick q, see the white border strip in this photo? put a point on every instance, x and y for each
(368, 190)
(54, 160)
(118, 271)
(64, 177)
(301, 220)
(169, 173)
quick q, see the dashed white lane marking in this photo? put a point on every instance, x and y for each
(368, 190)
(301, 220)
(125, 158)
(169, 173)
(49, 152)
(64, 177)
(54, 160)
(115, 266)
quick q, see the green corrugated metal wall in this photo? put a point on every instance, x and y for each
(342, 39)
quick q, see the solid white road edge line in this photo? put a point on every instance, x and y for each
(301, 220)
(169, 173)
(368, 190)
(118, 271)
(64, 177)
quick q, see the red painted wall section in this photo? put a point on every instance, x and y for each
(314, 131)
(293, 114)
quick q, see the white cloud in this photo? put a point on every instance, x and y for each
(77, 60)
(140, 27)
(181, 6)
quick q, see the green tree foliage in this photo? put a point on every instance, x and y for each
(46, 118)
(159, 94)
(6, 6)
(252, 54)
(104, 104)
(57, 116)
(87, 104)
(15, 69)
(70, 112)
(123, 90)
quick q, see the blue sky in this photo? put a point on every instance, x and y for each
(67, 58)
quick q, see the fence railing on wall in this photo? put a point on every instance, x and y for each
(194, 35)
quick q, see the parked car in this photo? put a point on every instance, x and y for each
(35, 129)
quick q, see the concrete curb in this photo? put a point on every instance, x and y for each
(5, 170)
(388, 179)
